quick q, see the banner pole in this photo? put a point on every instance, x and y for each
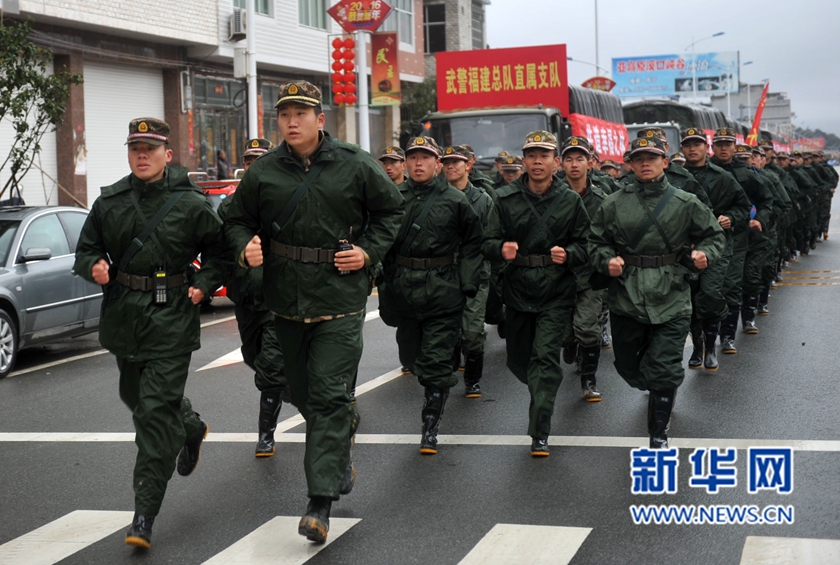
(364, 104)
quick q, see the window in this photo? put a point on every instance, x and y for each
(260, 6)
(313, 13)
(46, 232)
(435, 27)
(401, 20)
(478, 26)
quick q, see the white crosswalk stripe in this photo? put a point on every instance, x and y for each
(790, 551)
(276, 542)
(535, 545)
(63, 537)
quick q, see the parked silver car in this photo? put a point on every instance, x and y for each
(41, 299)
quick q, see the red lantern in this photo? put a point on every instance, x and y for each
(338, 66)
(349, 66)
(337, 88)
(337, 77)
(338, 55)
(337, 42)
(348, 77)
(348, 55)
(338, 99)
(350, 99)
(348, 43)
(350, 88)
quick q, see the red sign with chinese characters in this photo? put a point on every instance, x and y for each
(490, 78)
(385, 73)
(608, 139)
(599, 83)
(360, 15)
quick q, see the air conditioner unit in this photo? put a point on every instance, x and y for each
(237, 26)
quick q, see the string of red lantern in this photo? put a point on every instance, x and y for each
(343, 78)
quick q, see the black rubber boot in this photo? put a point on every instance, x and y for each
(191, 452)
(589, 357)
(473, 368)
(660, 404)
(456, 358)
(710, 333)
(501, 328)
(748, 311)
(539, 447)
(431, 415)
(140, 532)
(696, 359)
(727, 332)
(349, 470)
(270, 403)
(570, 352)
(763, 299)
(315, 524)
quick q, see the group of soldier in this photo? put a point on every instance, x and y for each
(549, 250)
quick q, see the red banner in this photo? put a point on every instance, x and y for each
(752, 138)
(810, 143)
(599, 83)
(385, 74)
(492, 78)
(365, 15)
(609, 140)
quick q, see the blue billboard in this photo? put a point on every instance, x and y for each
(670, 75)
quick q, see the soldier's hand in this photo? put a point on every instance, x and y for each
(100, 272)
(616, 266)
(509, 249)
(700, 260)
(196, 295)
(755, 225)
(253, 252)
(558, 255)
(351, 260)
(724, 222)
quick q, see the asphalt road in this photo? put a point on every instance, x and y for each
(67, 452)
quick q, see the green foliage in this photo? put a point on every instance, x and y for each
(30, 99)
(419, 98)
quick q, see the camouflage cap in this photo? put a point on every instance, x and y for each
(809, 154)
(500, 158)
(766, 144)
(821, 153)
(148, 130)
(608, 163)
(782, 155)
(301, 92)
(626, 156)
(743, 150)
(647, 145)
(724, 134)
(470, 150)
(540, 139)
(392, 152)
(652, 132)
(693, 133)
(757, 150)
(423, 143)
(512, 162)
(797, 153)
(257, 146)
(677, 157)
(595, 155)
(577, 143)
(459, 152)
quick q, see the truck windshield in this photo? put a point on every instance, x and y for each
(490, 134)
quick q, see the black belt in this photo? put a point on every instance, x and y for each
(533, 260)
(303, 254)
(649, 261)
(139, 282)
(425, 262)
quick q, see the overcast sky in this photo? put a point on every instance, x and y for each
(794, 44)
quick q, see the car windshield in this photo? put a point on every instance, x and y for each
(488, 135)
(8, 228)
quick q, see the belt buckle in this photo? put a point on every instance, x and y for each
(418, 263)
(534, 261)
(308, 255)
(650, 261)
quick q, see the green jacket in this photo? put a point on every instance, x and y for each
(592, 198)
(355, 200)
(244, 286)
(604, 181)
(451, 228)
(808, 190)
(131, 325)
(789, 184)
(482, 205)
(532, 289)
(781, 201)
(726, 195)
(652, 295)
(680, 178)
(757, 192)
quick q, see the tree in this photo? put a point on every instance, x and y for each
(30, 99)
(418, 100)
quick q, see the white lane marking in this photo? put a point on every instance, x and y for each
(63, 537)
(94, 353)
(823, 446)
(235, 356)
(790, 551)
(537, 545)
(277, 541)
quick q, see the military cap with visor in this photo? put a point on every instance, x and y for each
(693, 133)
(422, 143)
(766, 144)
(797, 153)
(148, 130)
(540, 140)
(724, 134)
(678, 157)
(608, 163)
(257, 147)
(743, 150)
(782, 155)
(647, 145)
(500, 158)
(300, 92)
(459, 152)
(511, 163)
(577, 143)
(392, 152)
(651, 132)
(470, 150)
(757, 150)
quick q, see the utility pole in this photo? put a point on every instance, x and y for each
(251, 32)
(361, 77)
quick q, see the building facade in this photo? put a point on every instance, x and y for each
(453, 25)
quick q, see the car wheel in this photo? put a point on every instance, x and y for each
(8, 344)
